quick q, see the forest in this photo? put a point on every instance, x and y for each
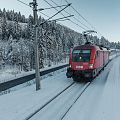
(17, 35)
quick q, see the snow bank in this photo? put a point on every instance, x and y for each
(9, 74)
(17, 105)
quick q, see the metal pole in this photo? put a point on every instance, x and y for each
(37, 72)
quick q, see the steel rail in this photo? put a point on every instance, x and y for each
(85, 87)
(43, 106)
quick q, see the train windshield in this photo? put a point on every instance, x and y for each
(81, 55)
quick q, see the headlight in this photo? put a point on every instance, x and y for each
(70, 66)
(91, 66)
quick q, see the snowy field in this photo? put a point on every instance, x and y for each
(9, 73)
(99, 102)
(20, 103)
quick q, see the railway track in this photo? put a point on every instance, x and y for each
(86, 102)
(65, 99)
(48, 108)
(48, 111)
(84, 88)
(48, 102)
(53, 107)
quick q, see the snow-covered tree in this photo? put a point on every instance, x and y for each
(4, 26)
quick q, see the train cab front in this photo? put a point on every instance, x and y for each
(80, 64)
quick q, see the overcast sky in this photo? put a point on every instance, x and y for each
(104, 15)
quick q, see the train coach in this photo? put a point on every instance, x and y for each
(86, 61)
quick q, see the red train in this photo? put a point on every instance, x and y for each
(86, 61)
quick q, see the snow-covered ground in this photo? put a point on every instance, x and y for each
(99, 102)
(9, 73)
(20, 103)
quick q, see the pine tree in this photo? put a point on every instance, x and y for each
(19, 17)
(4, 26)
(1, 13)
(30, 29)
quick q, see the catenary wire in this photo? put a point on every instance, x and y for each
(73, 17)
(84, 18)
(50, 17)
(80, 15)
(64, 15)
(32, 8)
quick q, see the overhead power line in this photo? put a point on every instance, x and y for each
(79, 20)
(81, 15)
(32, 7)
(57, 13)
(50, 7)
(24, 3)
(39, 10)
(61, 19)
(44, 14)
(84, 18)
(49, 16)
(64, 15)
(73, 17)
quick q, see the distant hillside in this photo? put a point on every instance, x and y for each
(17, 41)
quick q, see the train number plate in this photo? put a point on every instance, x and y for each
(79, 66)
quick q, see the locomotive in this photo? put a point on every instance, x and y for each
(86, 61)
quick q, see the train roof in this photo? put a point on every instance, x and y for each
(90, 46)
